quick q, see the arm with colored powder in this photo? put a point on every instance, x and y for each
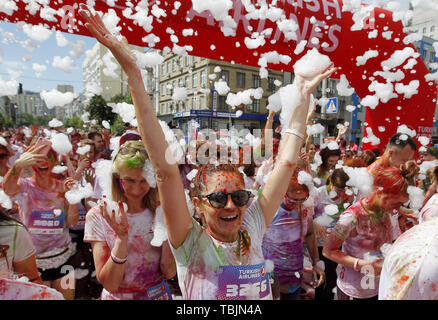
(277, 184)
(332, 247)
(28, 159)
(108, 272)
(312, 246)
(170, 186)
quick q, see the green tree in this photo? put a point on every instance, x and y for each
(6, 122)
(75, 122)
(99, 110)
(118, 126)
(42, 120)
(25, 119)
(122, 98)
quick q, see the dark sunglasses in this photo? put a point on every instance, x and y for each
(220, 199)
(3, 155)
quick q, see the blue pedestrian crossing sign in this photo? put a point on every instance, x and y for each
(332, 105)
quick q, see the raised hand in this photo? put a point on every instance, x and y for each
(69, 183)
(117, 220)
(117, 45)
(307, 85)
(31, 158)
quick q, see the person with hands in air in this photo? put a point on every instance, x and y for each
(45, 212)
(231, 236)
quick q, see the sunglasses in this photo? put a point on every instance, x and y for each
(220, 199)
(131, 150)
(3, 155)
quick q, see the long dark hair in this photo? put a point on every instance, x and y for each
(4, 217)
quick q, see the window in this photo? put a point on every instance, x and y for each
(271, 85)
(168, 67)
(225, 75)
(240, 80)
(424, 30)
(174, 65)
(432, 29)
(163, 89)
(187, 80)
(256, 82)
(180, 82)
(255, 105)
(221, 105)
(187, 59)
(195, 80)
(203, 79)
(163, 66)
(181, 62)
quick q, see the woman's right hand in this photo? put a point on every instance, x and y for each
(31, 158)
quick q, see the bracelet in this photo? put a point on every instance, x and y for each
(295, 133)
(118, 260)
(356, 264)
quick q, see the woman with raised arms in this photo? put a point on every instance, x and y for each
(223, 258)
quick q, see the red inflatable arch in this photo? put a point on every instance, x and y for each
(322, 19)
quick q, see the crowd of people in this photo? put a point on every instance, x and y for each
(305, 221)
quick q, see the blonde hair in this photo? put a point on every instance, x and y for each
(134, 157)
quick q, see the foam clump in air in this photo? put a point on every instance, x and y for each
(79, 192)
(54, 98)
(61, 143)
(311, 64)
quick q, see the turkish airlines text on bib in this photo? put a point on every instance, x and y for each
(243, 282)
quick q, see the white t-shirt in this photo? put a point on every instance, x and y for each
(142, 269)
(410, 269)
(429, 210)
(202, 262)
(16, 237)
(19, 290)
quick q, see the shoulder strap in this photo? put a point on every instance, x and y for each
(14, 246)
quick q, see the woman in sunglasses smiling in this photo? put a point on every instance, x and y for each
(224, 258)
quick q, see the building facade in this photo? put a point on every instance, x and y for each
(95, 72)
(203, 103)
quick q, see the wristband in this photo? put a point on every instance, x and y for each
(356, 264)
(118, 260)
(295, 133)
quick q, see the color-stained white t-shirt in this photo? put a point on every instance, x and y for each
(142, 269)
(410, 269)
(209, 269)
(20, 246)
(362, 233)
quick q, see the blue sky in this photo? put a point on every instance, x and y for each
(11, 53)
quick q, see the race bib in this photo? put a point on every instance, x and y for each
(46, 222)
(160, 291)
(243, 282)
(82, 215)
